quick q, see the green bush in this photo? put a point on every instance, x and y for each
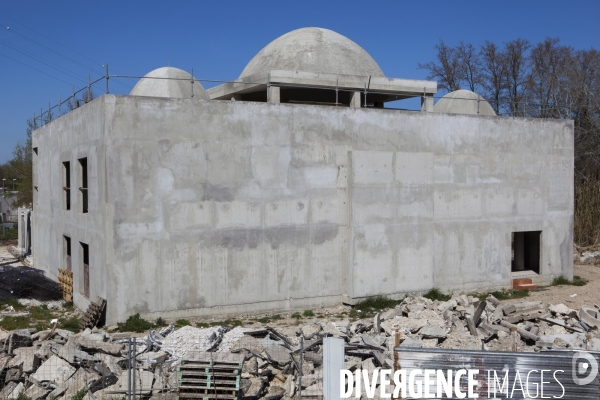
(135, 324)
(182, 322)
(436, 294)
(297, 315)
(308, 313)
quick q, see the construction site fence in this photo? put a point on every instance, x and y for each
(106, 84)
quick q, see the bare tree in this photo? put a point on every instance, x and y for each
(446, 69)
(469, 66)
(493, 74)
(515, 53)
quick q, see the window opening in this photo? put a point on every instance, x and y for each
(67, 185)
(83, 184)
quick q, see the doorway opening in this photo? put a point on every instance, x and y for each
(526, 251)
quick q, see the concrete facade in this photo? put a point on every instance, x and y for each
(211, 207)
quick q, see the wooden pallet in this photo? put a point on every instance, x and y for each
(93, 314)
(65, 279)
(210, 376)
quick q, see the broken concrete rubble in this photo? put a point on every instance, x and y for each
(57, 364)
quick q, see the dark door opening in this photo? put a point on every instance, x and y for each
(526, 251)
(67, 252)
(85, 253)
(67, 185)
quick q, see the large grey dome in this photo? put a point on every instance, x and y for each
(314, 50)
(463, 102)
(179, 86)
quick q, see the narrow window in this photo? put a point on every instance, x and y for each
(85, 257)
(83, 184)
(35, 176)
(67, 252)
(526, 251)
(67, 185)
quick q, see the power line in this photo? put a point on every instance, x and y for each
(49, 38)
(58, 43)
(29, 66)
(48, 63)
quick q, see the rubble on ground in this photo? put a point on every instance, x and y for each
(58, 364)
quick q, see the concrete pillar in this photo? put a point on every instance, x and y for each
(274, 95)
(355, 100)
(519, 248)
(427, 103)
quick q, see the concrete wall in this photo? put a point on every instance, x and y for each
(217, 207)
(80, 133)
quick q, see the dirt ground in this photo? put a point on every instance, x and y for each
(574, 296)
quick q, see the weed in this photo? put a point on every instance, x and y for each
(436, 294)
(505, 294)
(14, 303)
(12, 323)
(308, 313)
(372, 305)
(160, 322)
(561, 280)
(23, 396)
(41, 313)
(69, 324)
(264, 320)
(232, 322)
(202, 325)
(297, 315)
(276, 317)
(135, 324)
(79, 395)
(182, 322)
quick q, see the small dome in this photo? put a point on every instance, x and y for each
(313, 50)
(463, 102)
(178, 86)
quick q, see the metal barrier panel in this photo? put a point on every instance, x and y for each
(520, 372)
(333, 362)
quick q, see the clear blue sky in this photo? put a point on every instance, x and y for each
(218, 38)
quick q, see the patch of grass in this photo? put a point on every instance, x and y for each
(69, 324)
(14, 303)
(264, 320)
(505, 294)
(436, 294)
(308, 313)
(9, 234)
(369, 307)
(135, 324)
(12, 323)
(297, 315)
(79, 395)
(227, 322)
(202, 325)
(561, 280)
(41, 313)
(160, 322)
(182, 322)
(276, 317)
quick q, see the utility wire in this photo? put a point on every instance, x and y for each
(38, 70)
(48, 63)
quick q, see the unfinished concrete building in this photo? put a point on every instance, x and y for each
(294, 187)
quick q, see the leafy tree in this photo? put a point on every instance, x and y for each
(21, 168)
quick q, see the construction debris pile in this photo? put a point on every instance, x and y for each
(273, 363)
